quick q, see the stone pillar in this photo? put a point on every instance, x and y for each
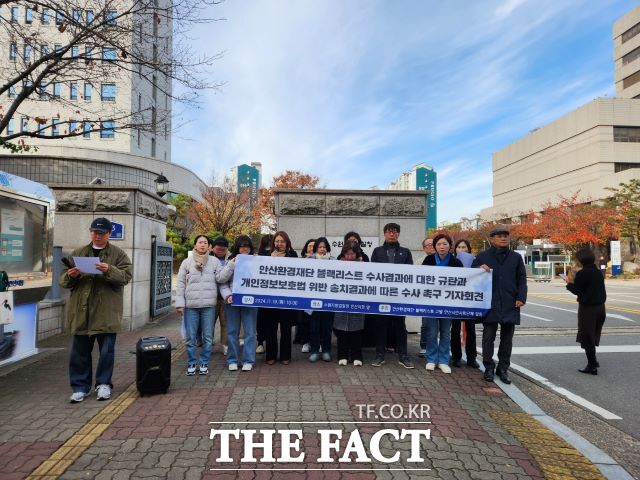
(305, 214)
(141, 213)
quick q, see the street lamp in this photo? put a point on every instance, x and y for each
(162, 185)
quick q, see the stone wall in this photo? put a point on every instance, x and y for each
(142, 214)
(305, 214)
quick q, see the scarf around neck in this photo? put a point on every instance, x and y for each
(326, 256)
(200, 260)
(442, 262)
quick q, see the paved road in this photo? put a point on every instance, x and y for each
(615, 389)
(546, 351)
(551, 305)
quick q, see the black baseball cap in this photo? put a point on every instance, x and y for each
(221, 241)
(498, 230)
(102, 225)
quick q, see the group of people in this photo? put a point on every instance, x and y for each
(205, 277)
(204, 295)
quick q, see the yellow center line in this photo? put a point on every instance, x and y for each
(74, 447)
(573, 301)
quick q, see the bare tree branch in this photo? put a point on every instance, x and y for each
(140, 46)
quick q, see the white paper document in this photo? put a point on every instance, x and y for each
(87, 264)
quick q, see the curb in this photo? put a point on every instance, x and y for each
(611, 469)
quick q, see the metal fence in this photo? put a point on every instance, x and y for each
(161, 269)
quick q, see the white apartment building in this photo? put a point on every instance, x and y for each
(587, 150)
(133, 156)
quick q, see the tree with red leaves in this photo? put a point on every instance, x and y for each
(294, 179)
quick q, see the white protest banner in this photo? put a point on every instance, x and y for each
(361, 287)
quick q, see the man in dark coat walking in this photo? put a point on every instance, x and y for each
(509, 294)
(391, 252)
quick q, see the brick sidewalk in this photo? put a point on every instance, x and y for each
(477, 432)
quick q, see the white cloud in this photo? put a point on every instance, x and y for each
(357, 92)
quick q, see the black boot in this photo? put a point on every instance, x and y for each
(489, 374)
(592, 369)
(504, 376)
(592, 363)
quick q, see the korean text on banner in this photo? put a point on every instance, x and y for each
(360, 287)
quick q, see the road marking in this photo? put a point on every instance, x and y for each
(573, 349)
(621, 317)
(610, 297)
(537, 318)
(551, 306)
(609, 307)
(606, 414)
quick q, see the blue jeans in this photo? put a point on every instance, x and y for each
(438, 348)
(248, 316)
(80, 369)
(194, 319)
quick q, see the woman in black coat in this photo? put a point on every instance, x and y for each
(280, 247)
(588, 285)
(264, 250)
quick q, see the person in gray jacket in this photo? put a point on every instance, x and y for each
(196, 295)
(347, 326)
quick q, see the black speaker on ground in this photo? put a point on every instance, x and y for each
(153, 365)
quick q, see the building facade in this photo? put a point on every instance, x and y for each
(139, 96)
(586, 151)
(592, 148)
(423, 178)
(626, 54)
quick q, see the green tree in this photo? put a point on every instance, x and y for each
(626, 197)
(180, 226)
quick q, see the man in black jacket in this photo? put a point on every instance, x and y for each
(509, 294)
(391, 252)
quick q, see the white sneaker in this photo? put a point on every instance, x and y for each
(247, 367)
(204, 369)
(431, 366)
(191, 369)
(342, 361)
(357, 363)
(77, 397)
(423, 352)
(305, 348)
(233, 367)
(444, 368)
(103, 392)
(225, 349)
(260, 348)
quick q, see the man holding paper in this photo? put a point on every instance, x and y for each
(96, 275)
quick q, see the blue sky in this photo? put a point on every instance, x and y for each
(357, 92)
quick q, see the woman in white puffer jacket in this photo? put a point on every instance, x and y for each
(196, 295)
